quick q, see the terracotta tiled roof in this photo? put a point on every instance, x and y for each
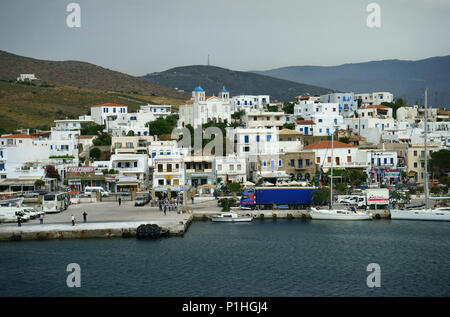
(375, 107)
(187, 103)
(19, 136)
(305, 122)
(327, 144)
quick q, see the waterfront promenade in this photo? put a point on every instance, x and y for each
(105, 219)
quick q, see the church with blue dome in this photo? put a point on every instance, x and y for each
(201, 108)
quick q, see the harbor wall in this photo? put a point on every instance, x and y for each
(97, 230)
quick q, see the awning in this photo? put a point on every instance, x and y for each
(128, 184)
(18, 182)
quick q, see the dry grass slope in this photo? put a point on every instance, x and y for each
(30, 107)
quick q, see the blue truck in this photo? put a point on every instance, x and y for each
(277, 197)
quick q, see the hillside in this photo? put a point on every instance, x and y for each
(405, 79)
(213, 79)
(80, 74)
(24, 106)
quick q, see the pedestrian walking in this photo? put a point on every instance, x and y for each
(165, 208)
(192, 199)
(41, 219)
(19, 221)
(85, 216)
(73, 220)
(120, 201)
(160, 206)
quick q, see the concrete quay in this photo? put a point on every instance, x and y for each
(104, 220)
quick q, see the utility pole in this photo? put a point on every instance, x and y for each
(425, 148)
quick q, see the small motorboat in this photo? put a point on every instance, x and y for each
(231, 217)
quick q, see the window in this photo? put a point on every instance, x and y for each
(300, 163)
(318, 160)
(246, 149)
(349, 159)
(292, 163)
(127, 164)
(264, 163)
(280, 163)
(160, 182)
(268, 137)
(415, 164)
(135, 164)
(231, 167)
(415, 153)
(246, 139)
(329, 159)
(307, 162)
(239, 167)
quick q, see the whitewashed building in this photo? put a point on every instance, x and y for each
(374, 98)
(100, 113)
(249, 102)
(231, 168)
(347, 102)
(344, 155)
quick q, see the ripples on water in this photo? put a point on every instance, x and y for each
(262, 258)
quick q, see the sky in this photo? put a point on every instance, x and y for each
(143, 36)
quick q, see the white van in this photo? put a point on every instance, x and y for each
(10, 214)
(94, 189)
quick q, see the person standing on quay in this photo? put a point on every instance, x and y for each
(19, 221)
(165, 209)
(41, 219)
(120, 201)
(73, 220)
(85, 216)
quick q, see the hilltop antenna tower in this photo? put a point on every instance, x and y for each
(208, 59)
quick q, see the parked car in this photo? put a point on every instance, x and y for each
(41, 192)
(33, 212)
(142, 200)
(29, 194)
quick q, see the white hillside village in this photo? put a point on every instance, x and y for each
(262, 145)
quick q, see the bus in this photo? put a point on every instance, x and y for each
(55, 202)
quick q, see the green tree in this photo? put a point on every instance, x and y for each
(237, 115)
(440, 163)
(321, 196)
(272, 108)
(95, 153)
(290, 126)
(227, 203)
(159, 127)
(91, 128)
(233, 187)
(344, 139)
(39, 183)
(102, 139)
(288, 107)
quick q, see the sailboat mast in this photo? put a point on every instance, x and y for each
(425, 148)
(331, 181)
